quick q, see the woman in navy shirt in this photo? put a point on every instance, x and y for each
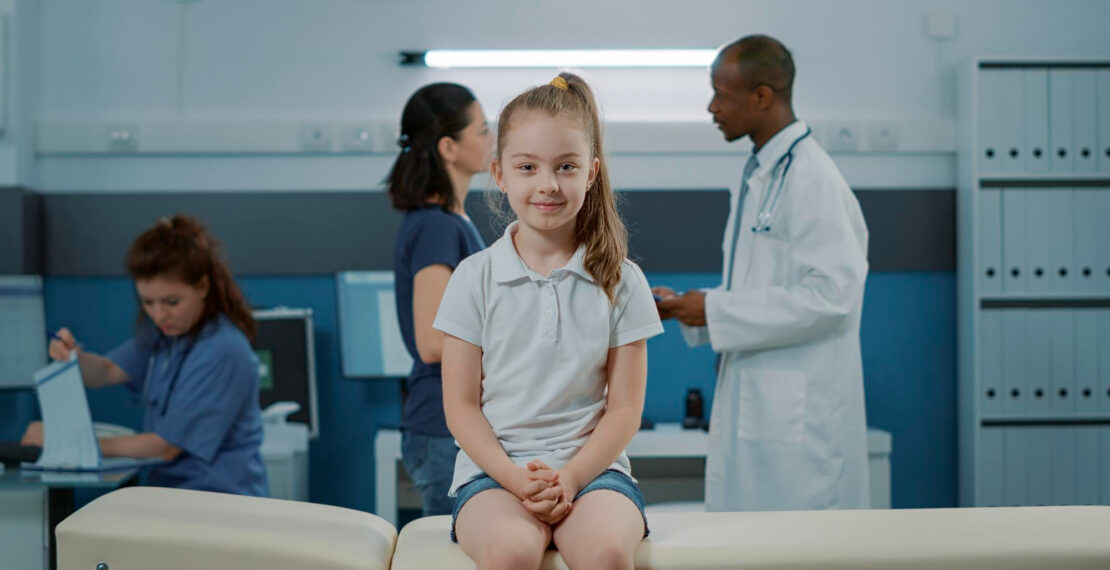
(191, 362)
(444, 142)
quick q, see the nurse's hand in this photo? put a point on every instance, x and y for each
(62, 344)
(662, 294)
(689, 308)
(33, 435)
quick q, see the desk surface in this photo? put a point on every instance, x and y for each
(18, 478)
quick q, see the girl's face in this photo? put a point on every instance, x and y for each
(171, 304)
(546, 168)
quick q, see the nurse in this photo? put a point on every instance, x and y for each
(191, 363)
(787, 430)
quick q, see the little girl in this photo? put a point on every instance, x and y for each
(545, 359)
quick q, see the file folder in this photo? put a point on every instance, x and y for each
(990, 241)
(1060, 120)
(1063, 462)
(1085, 119)
(1088, 230)
(991, 393)
(1039, 466)
(1061, 240)
(1062, 339)
(1104, 465)
(1086, 361)
(1011, 108)
(1102, 239)
(1104, 120)
(1039, 204)
(990, 121)
(1016, 467)
(1014, 240)
(1038, 358)
(991, 464)
(1103, 360)
(1035, 95)
(1086, 465)
(1014, 366)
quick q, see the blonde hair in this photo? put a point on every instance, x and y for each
(598, 225)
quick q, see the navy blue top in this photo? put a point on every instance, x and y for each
(428, 236)
(201, 396)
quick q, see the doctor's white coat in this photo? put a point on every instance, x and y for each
(787, 430)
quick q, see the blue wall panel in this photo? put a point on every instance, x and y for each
(909, 356)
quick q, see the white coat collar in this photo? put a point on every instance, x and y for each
(777, 146)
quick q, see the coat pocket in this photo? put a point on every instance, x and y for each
(772, 406)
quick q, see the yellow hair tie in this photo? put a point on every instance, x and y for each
(560, 83)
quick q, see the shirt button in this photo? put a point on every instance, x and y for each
(548, 292)
(549, 312)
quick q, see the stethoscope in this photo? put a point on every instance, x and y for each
(771, 197)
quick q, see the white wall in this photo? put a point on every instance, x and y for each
(22, 98)
(337, 60)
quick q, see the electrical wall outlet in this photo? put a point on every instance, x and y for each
(882, 136)
(316, 137)
(122, 137)
(357, 137)
(843, 136)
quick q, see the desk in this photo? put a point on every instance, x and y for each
(32, 503)
(665, 441)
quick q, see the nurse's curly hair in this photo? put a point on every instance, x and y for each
(180, 248)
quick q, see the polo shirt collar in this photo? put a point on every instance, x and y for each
(507, 266)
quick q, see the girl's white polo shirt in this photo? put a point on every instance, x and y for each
(545, 342)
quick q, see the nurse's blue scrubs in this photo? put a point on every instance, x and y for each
(202, 396)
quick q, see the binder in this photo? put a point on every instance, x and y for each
(1060, 232)
(990, 362)
(1062, 371)
(990, 241)
(1063, 462)
(1038, 358)
(1039, 466)
(1014, 368)
(1060, 120)
(1085, 121)
(1101, 239)
(1104, 465)
(1087, 231)
(1015, 465)
(1104, 120)
(990, 120)
(1038, 205)
(1086, 361)
(1014, 239)
(991, 463)
(1103, 359)
(1035, 97)
(1011, 108)
(1086, 465)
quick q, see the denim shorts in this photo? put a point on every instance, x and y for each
(610, 480)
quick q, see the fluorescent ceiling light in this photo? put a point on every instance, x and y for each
(447, 58)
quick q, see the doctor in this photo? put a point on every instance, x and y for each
(787, 430)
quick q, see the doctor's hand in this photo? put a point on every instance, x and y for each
(662, 294)
(689, 308)
(33, 435)
(61, 345)
(545, 497)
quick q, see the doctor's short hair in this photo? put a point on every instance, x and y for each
(180, 248)
(763, 60)
(598, 226)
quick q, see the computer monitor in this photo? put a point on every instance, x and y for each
(287, 361)
(22, 330)
(370, 334)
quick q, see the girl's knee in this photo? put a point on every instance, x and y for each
(609, 555)
(510, 555)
